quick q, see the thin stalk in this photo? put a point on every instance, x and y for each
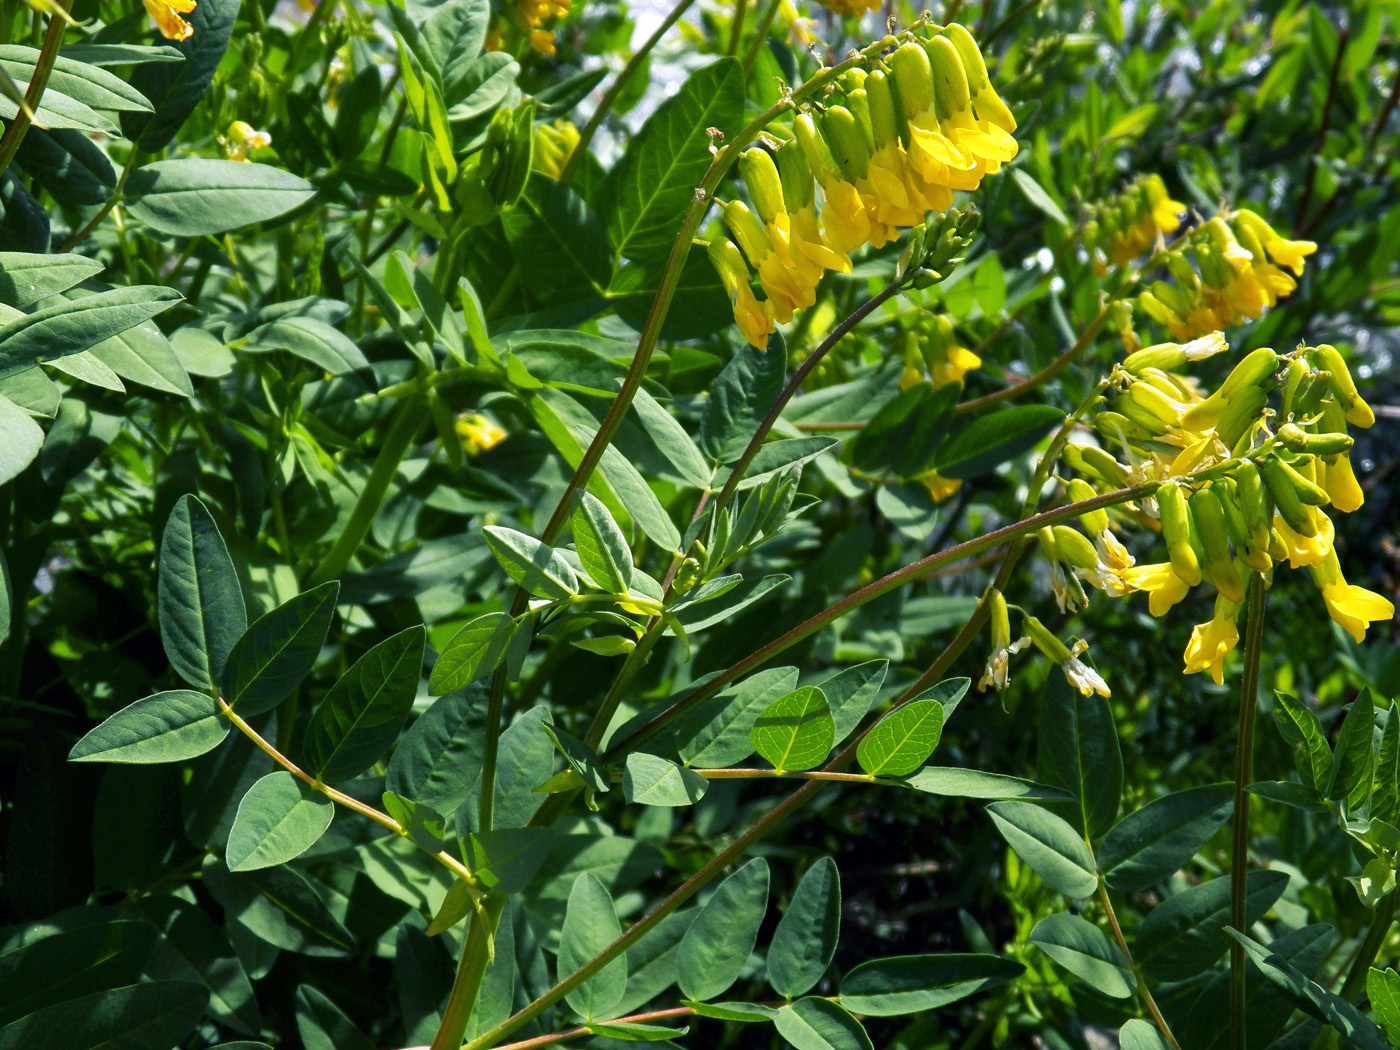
(1366, 954)
(476, 954)
(1305, 198)
(869, 593)
(736, 29)
(784, 774)
(396, 445)
(605, 104)
(1147, 1000)
(132, 161)
(34, 94)
(383, 819)
(1049, 371)
(319, 14)
(1244, 765)
(575, 1033)
(760, 35)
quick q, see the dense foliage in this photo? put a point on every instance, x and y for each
(529, 522)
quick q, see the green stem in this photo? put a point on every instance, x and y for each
(867, 594)
(1143, 993)
(736, 30)
(396, 446)
(476, 954)
(322, 11)
(673, 1013)
(1050, 370)
(382, 819)
(1370, 947)
(132, 162)
(760, 35)
(43, 67)
(615, 88)
(1244, 763)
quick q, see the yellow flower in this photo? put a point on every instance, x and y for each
(240, 138)
(554, 144)
(1211, 642)
(754, 318)
(166, 14)
(1340, 482)
(1353, 607)
(851, 7)
(939, 487)
(1164, 587)
(1307, 550)
(1281, 249)
(478, 433)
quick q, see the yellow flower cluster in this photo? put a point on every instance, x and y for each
(532, 14)
(240, 138)
(1241, 488)
(1240, 270)
(478, 433)
(166, 15)
(851, 7)
(1119, 230)
(887, 147)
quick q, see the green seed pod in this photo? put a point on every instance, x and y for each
(1216, 566)
(1290, 508)
(1176, 532)
(1241, 411)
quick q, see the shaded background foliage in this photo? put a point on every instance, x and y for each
(1287, 107)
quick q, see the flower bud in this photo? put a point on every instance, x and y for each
(1285, 495)
(1296, 439)
(1176, 532)
(1241, 412)
(748, 231)
(1358, 412)
(1094, 521)
(1292, 380)
(847, 141)
(989, 105)
(815, 149)
(1118, 427)
(1150, 397)
(1166, 356)
(1254, 504)
(796, 176)
(1074, 548)
(887, 120)
(1255, 369)
(951, 93)
(1045, 640)
(913, 74)
(1090, 459)
(1216, 567)
(765, 187)
(1311, 390)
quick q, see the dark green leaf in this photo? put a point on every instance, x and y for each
(1078, 751)
(311, 340)
(1185, 934)
(278, 651)
(1300, 728)
(73, 325)
(910, 984)
(191, 197)
(158, 1013)
(200, 603)
(323, 1026)
(1137, 1034)
(820, 1024)
(168, 727)
(438, 761)
(361, 716)
(740, 397)
(70, 963)
(973, 783)
(279, 818)
(1153, 843)
(904, 435)
(717, 945)
(1053, 849)
(505, 860)
(988, 441)
(26, 278)
(601, 546)
(590, 925)
(717, 732)
(175, 88)
(20, 441)
(1082, 949)
(536, 566)
(805, 939)
(1355, 760)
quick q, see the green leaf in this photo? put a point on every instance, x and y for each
(192, 197)
(1300, 728)
(311, 340)
(1137, 1034)
(90, 85)
(26, 278)
(168, 727)
(472, 652)
(74, 325)
(157, 1013)
(438, 761)
(361, 716)
(632, 1032)
(1355, 757)
(1053, 849)
(717, 945)
(649, 780)
(746, 1013)
(580, 758)
(911, 984)
(1082, 949)
(199, 600)
(323, 1026)
(670, 438)
(143, 355)
(68, 963)
(904, 435)
(820, 1024)
(1385, 800)
(805, 939)
(536, 566)
(278, 651)
(554, 235)
(849, 694)
(901, 741)
(650, 189)
(1078, 751)
(740, 397)
(1383, 989)
(795, 732)
(20, 441)
(279, 818)
(1035, 193)
(602, 548)
(696, 614)
(280, 905)
(1153, 843)
(990, 440)
(974, 783)
(194, 948)
(506, 860)
(176, 88)
(1311, 997)
(590, 925)
(718, 732)
(1185, 934)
